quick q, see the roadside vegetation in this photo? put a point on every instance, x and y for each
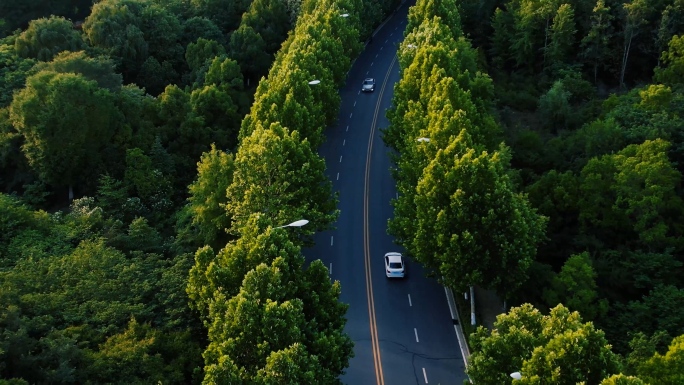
(149, 151)
(539, 155)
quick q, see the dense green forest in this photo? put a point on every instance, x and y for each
(539, 154)
(149, 151)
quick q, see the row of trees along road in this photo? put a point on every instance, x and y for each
(595, 233)
(270, 318)
(121, 110)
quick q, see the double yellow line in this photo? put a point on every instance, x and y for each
(375, 343)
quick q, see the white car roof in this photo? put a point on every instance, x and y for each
(393, 257)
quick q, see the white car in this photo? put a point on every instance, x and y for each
(394, 265)
(368, 85)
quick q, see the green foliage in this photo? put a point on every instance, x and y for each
(502, 25)
(225, 14)
(643, 348)
(140, 175)
(45, 38)
(19, 13)
(561, 36)
(446, 10)
(183, 133)
(621, 379)
(270, 316)
(81, 298)
(100, 69)
(218, 112)
(131, 31)
(555, 195)
(660, 310)
(115, 27)
(66, 121)
(14, 216)
(198, 53)
(631, 194)
(557, 348)
(13, 72)
(200, 27)
(633, 273)
(528, 151)
(672, 71)
(269, 19)
(292, 365)
(279, 174)
(208, 196)
(470, 223)
(596, 44)
(92, 296)
(249, 48)
(148, 184)
(554, 107)
(667, 369)
(575, 287)
(655, 97)
(140, 354)
(111, 195)
(598, 138)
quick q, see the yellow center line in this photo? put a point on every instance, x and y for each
(375, 343)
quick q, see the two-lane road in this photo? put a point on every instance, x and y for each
(402, 329)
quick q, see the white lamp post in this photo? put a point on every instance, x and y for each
(298, 223)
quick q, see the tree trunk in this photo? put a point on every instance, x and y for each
(472, 305)
(625, 57)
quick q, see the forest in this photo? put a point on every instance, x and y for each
(150, 150)
(539, 155)
(149, 153)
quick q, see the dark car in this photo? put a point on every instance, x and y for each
(368, 85)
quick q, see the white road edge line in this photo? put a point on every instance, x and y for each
(344, 142)
(354, 103)
(338, 176)
(451, 310)
(350, 115)
(416, 331)
(425, 375)
(461, 341)
(330, 268)
(331, 240)
(347, 128)
(410, 304)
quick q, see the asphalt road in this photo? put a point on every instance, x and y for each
(409, 320)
